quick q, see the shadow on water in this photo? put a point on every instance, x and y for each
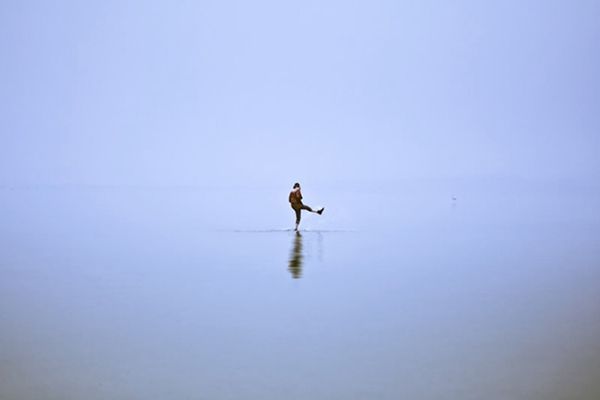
(296, 257)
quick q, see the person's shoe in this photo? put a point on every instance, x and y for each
(320, 211)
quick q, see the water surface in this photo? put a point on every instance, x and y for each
(153, 293)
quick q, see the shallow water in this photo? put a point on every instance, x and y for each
(153, 293)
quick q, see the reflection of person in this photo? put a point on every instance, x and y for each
(296, 257)
(295, 199)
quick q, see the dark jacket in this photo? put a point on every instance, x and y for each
(295, 198)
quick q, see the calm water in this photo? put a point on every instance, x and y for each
(187, 293)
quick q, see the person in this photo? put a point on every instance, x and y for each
(295, 199)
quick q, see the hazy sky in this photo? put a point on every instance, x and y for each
(205, 92)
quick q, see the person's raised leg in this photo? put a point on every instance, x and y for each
(307, 208)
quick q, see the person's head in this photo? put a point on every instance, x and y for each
(296, 185)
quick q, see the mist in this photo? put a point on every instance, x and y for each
(147, 150)
(264, 93)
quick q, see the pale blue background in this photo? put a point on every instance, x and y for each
(268, 92)
(147, 150)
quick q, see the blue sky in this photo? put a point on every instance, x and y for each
(268, 92)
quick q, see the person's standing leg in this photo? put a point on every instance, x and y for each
(298, 216)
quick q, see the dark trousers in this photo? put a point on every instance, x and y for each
(298, 208)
